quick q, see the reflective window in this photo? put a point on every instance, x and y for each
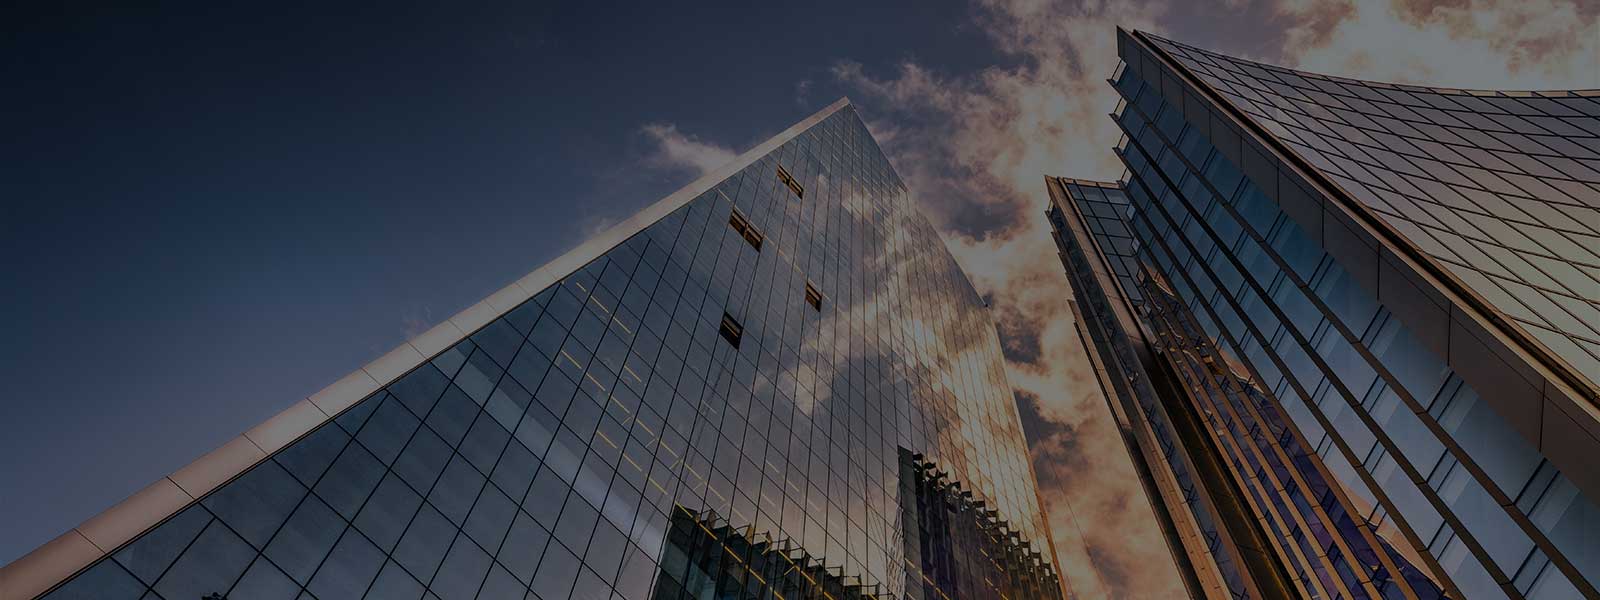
(1387, 410)
(549, 448)
(209, 566)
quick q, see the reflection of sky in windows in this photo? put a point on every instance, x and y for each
(548, 451)
(1105, 209)
(1501, 187)
(1218, 284)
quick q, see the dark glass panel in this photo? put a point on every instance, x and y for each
(425, 542)
(104, 581)
(386, 514)
(349, 570)
(462, 572)
(305, 539)
(350, 480)
(264, 581)
(209, 566)
(151, 554)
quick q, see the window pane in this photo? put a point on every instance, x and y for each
(350, 480)
(462, 572)
(305, 539)
(349, 570)
(104, 581)
(425, 542)
(524, 545)
(264, 582)
(556, 573)
(490, 518)
(456, 490)
(387, 432)
(394, 582)
(386, 514)
(422, 460)
(209, 566)
(151, 554)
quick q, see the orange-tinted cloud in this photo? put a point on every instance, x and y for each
(975, 148)
(975, 151)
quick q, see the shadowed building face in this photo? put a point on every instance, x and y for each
(1349, 329)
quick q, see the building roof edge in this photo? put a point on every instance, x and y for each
(63, 557)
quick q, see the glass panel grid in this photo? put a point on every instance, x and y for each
(1516, 177)
(1187, 231)
(547, 452)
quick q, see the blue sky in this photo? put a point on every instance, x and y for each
(213, 212)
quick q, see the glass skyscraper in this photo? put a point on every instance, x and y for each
(1350, 330)
(775, 383)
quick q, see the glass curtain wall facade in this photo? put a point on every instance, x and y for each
(1379, 304)
(717, 406)
(1214, 542)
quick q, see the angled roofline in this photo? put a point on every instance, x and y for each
(1551, 93)
(1533, 353)
(103, 534)
(1113, 185)
(1562, 421)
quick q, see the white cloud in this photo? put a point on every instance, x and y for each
(675, 150)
